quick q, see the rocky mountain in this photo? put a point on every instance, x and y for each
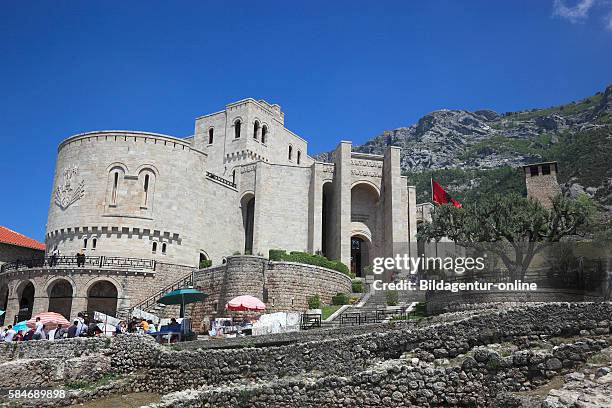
(473, 152)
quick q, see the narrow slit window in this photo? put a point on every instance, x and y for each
(299, 156)
(164, 248)
(234, 176)
(211, 133)
(154, 247)
(85, 243)
(264, 133)
(534, 171)
(290, 152)
(145, 197)
(115, 185)
(94, 243)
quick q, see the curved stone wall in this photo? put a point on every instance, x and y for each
(281, 285)
(127, 190)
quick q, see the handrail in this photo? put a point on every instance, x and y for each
(151, 300)
(220, 179)
(113, 262)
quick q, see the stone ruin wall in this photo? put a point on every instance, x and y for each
(347, 372)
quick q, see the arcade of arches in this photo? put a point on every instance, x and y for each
(60, 295)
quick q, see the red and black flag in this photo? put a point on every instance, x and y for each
(439, 196)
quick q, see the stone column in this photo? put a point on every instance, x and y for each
(341, 236)
(315, 208)
(12, 308)
(395, 215)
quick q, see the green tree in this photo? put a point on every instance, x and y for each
(512, 227)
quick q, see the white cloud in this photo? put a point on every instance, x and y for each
(574, 14)
(608, 20)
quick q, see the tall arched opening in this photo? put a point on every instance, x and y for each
(247, 204)
(365, 225)
(326, 219)
(26, 302)
(60, 298)
(102, 297)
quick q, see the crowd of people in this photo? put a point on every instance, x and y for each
(82, 326)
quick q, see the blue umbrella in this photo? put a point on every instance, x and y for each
(21, 326)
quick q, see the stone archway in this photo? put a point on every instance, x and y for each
(365, 225)
(102, 297)
(247, 203)
(60, 297)
(327, 221)
(26, 293)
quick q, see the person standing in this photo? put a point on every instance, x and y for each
(72, 330)
(10, 333)
(38, 330)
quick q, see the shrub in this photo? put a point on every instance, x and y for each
(357, 286)
(205, 263)
(276, 254)
(392, 297)
(309, 259)
(314, 301)
(340, 299)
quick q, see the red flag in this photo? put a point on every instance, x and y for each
(442, 197)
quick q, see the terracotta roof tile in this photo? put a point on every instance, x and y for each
(11, 237)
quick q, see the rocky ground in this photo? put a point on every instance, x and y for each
(542, 355)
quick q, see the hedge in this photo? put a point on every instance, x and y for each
(340, 299)
(310, 259)
(314, 301)
(357, 286)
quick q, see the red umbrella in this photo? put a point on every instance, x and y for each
(49, 319)
(245, 303)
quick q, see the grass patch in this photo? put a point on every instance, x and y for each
(328, 310)
(86, 385)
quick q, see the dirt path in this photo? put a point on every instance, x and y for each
(134, 400)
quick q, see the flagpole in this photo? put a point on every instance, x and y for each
(431, 185)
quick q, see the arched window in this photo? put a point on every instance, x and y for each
(164, 248)
(211, 133)
(290, 152)
(85, 243)
(299, 157)
(264, 133)
(237, 125)
(94, 243)
(154, 247)
(145, 192)
(256, 130)
(115, 185)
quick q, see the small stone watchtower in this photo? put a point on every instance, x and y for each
(541, 182)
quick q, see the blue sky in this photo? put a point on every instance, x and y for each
(339, 69)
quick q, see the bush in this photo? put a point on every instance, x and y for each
(205, 263)
(276, 254)
(309, 259)
(392, 297)
(357, 286)
(340, 299)
(314, 301)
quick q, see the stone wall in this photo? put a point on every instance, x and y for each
(288, 285)
(132, 286)
(10, 253)
(444, 302)
(350, 366)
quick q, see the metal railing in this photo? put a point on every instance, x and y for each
(108, 262)
(152, 300)
(220, 179)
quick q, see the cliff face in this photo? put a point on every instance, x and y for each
(470, 150)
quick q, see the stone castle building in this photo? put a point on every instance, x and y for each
(147, 208)
(541, 182)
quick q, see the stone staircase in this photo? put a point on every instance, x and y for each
(373, 308)
(151, 305)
